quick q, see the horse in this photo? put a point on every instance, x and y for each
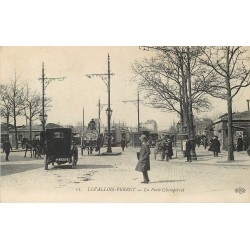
(37, 148)
(27, 144)
(34, 146)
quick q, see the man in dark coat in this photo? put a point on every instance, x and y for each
(170, 152)
(239, 143)
(6, 148)
(143, 164)
(123, 144)
(215, 146)
(188, 150)
(92, 125)
(205, 142)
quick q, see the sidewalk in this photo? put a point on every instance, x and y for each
(206, 157)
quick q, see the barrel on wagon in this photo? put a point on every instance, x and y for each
(92, 139)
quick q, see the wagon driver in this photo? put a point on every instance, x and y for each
(91, 124)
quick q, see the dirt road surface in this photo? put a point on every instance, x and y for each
(114, 179)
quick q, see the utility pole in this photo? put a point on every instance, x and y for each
(45, 83)
(82, 120)
(100, 107)
(106, 79)
(138, 109)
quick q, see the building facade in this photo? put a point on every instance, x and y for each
(241, 126)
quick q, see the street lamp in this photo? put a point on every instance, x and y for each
(43, 119)
(109, 114)
(106, 78)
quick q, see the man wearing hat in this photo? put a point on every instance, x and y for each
(6, 148)
(143, 164)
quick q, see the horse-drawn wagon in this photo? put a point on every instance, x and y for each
(60, 147)
(92, 140)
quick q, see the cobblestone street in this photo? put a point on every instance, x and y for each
(113, 179)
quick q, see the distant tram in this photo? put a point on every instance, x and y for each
(117, 134)
(151, 135)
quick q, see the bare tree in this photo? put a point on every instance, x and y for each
(228, 63)
(175, 81)
(5, 105)
(33, 106)
(16, 97)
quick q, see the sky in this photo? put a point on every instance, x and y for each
(78, 91)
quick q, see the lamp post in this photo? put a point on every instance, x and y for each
(43, 118)
(109, 114)
(106, 79)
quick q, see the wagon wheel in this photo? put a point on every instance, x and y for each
(46, 162)
(73, 161)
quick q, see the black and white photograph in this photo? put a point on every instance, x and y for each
(125, 123)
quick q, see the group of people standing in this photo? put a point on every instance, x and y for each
(215, 146)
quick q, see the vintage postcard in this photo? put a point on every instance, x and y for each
(125, 124)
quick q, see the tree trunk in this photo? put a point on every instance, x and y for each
(30, 121)
(15, 132)
(230, 156)
(191, 118)
(185, 99)
(8, 121)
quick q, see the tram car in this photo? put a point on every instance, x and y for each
(152, 137)
(117, 134)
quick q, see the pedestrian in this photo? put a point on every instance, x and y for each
(170, 152)
(188, 150)
(215, 146)
(143, 164)
(205, 142)
(92, 125)
(122, 144)
(239, 143)
(164, 149)
(6, 148)
(245, 142)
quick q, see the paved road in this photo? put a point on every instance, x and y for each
(113, 178)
